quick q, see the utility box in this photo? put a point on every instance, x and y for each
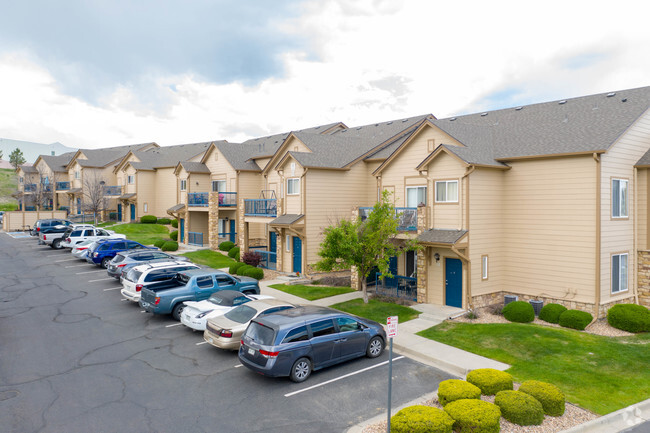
(510, 298)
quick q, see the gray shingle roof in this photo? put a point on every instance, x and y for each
(104, 157)
(176, 208)
(58, 163)
(29, 169)
(267, 146)
(238, 155)
(168, 156)
(194, 167)
(441, 236)
(286, 220)
(644, 161)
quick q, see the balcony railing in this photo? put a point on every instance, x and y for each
(266, 207)
(113, 190)
(227, 199)
(227, 236)
(198, 199)
(47, 188)
(62, 186)
(397, 287)
(269, 258)
(195, 238)
(30, 187)
(407, 216)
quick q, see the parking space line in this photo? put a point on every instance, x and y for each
(75, 266)
(341, 377)
(173, 324)
(202, 342)
(65, 260)
(101, 279)
(238, 365)
(113, 288)
(142, 311)
(123, 300)
(90, 272)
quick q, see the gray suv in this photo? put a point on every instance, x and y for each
(126, 260)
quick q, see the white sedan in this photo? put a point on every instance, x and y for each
(89, 233)
(196, 314)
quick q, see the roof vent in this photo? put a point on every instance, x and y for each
(518, 108)
(483, 114)
(624, 100)
(390, 123)
(405, 120)
(452, 119)
(609, 95)
(562, 102)
(359, 128)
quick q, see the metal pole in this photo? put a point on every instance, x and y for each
(390, 381)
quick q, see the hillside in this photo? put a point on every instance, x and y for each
(30, 149)
(8, 185)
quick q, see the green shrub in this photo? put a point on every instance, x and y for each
(455, 389)
(226, 246)
(159, 243)
(575, 319)
(489, 380)
(243, 269)
(170, 246)
(549, 395)
(629, 317)
(175, 223)
(519, 407)
(174, 235)
(474, 416)
(233, 252)
(232, 270)
(148, 219)
(421, 419)
(519, 311)
(551, 312)
(164, 221)
(257, 273)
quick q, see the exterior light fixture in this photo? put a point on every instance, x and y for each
(437, 257)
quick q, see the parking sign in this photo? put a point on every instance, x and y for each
(391, 325)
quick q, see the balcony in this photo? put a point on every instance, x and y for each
(47, 188)
(227, 199)
(407, 216)
(266, 207)
(30, 187)
(62, 186)
(195, 238)
(269, 258)
(200, 199)
(398, 286)
(113, 190)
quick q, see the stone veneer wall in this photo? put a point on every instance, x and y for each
(422, 257)
(241, 226)
(213, 220)
(643, 278)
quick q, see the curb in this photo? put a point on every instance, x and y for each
(445, 366)
(616, 421)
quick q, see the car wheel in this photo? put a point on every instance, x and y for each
(375, 347)
(56, 244)
(178, 309)
(105, 262)
(301, 370)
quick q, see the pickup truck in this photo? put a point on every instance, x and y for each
(53, 235)
(167, 297)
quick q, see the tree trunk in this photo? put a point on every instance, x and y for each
(364, 288)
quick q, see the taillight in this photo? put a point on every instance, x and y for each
(268, 354)
(95, 254)
(138, 287)
(68, 240)
(38, 229)
(226, 334)
(157, 301)
(241, 342)
(44, 237)
(122, 265)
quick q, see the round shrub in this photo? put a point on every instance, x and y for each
(257, 273)
(159, 243)
(629, 317)
(233, 252)
(226, 246)
(164, 221)
(519, 407)
(489, 380)
(170, 246)
(455, 389)
(232, 270)
(174, 235)
(519, 311)
(175, 223)
(551, 312)
(575, 319)
(421, 419)
(243, 269)
(251, 258)
(148, 219)
(549, 395)
(475, 416)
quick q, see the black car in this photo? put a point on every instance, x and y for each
(47, 224)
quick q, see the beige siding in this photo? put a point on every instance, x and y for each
(446, 215)
(261, 162)
(130, 187)
(373, 183)
(642, 208)
(436, 275)
(162, 199)
(182, 195)
(145, 183)
(293, 202)
(220, 168)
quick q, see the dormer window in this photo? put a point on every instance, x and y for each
(77, 174)
(130, 179)
(447, 191)
(293, 186)
(183, 184)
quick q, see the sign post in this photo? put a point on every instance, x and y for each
(391, 331)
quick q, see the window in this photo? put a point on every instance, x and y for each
(204, 282)
(431, 144)
(411, 264)
(324, 327)
(484, 267)
(346, 324)
(183, 184)
(416, 195)
(224, 280)
(293, 186)
(619, 273)
(619, 198)
(288, 243)
(146, 208)
(21, 179)
(218, 186)
(298, 334)
(130, 179)
(77, 174)
(447, 191)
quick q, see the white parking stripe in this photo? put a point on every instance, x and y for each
(342, 377)
(238, 365)
(90, 272)
(65, 260)
(113, 288)
(175, 324)
(101, 279)
(202, 342)
(76, 266)
(123, 299)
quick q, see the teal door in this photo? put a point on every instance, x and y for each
(233, 232)
(273, 243)
(78, 206)
(181, 226)
(132, 212)
(453, 283)
(297, 254)
(119, 212)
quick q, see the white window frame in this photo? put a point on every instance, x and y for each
(287, 241)
(296, 187)
(146, 208)
(130, 179)
(183, 184)
(620, 198)
(484, 267)
(77, 174)
(620, 272)
(416, 188)
(447, 183)
(217, 183)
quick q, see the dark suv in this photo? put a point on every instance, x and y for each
(105, 249)
(297, 341)
(47, 224)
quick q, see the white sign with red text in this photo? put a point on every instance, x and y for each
(391, 326)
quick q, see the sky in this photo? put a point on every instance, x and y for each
(98, 73)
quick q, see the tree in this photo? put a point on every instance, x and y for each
(16, 158)
(363, 244)
(0, 154)
(94, 187)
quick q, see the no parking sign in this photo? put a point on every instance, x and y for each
(391, 326)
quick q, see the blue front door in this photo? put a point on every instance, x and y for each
(392, 268)
(119, 211)
(297, 254)
(453, 283)
(273, 242)
(132, 212)
(233, 232)
(78, 206)
(181, 225)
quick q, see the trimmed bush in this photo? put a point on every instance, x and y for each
(159, 243)
(489, 380)
(575, 319)
(148, 219)
(175, 224)
(233, 252)
(551, 312)
(519, 408)
(519, 311)
(164, 221)
(421, 419)
(243, 269)
(226, 246)
(174, 235)
(455, 389)
(257, 273)
(474, 416)
(170, 246)
(251, 258)
(232, 270)
(629, 317)
(549, 395)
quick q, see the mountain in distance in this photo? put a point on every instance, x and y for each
(31, 150)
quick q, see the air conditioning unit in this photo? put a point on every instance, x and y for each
(537, 306)
(510, 298)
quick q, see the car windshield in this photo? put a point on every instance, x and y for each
(241, 314)
(133, 275)
(260, 334)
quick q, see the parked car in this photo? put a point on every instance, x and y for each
(124, 261)
(196, 313)
(43, 224)
(54, 235)
(102, 253)
(146, 274)
(2, 215)
(297, 341)
(195, 285)
(225, 331)
(77, 234)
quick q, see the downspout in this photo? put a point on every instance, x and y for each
(303, 188)
(598, 229)
(469, 171)
(635, 287)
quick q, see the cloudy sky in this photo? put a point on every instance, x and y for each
(114, 72)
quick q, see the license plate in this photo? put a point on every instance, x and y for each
(210, 340)
(251, 351)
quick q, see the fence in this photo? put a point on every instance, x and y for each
(19, 220)
(269, 258)
(198, 199)
(261, 207)
(397, 287)
(195, 238)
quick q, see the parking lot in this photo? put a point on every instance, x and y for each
(76, 357)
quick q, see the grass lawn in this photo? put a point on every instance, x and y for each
(311, 293)
(213, 259)
(8, 185)
(377, 310)
(601, 374)
(146, 234)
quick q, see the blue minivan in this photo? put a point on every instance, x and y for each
(106, 249)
